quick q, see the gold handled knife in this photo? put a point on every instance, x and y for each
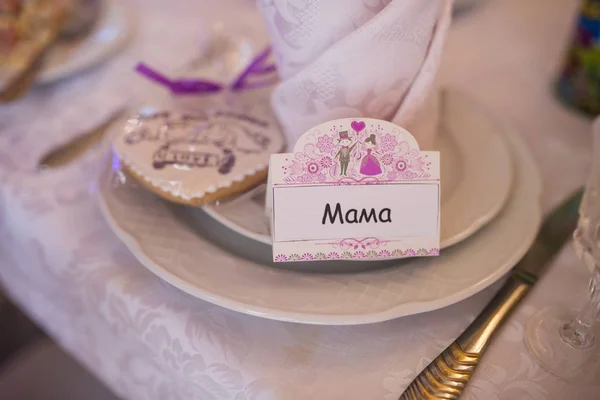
(447, 375)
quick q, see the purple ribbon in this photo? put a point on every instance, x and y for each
(258, 66)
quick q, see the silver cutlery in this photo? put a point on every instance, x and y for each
(83, 142)
(447, 375)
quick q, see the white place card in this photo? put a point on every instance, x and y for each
(354, 189)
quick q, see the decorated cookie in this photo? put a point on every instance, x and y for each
(198, 157)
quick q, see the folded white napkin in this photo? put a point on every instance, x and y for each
(357, 58)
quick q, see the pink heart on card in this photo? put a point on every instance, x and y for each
(357, 126)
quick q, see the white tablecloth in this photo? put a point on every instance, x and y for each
(147, 340)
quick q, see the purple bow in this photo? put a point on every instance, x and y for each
(258, 66)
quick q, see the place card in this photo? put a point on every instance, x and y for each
(354, 189)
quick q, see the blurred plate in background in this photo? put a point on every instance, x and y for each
(110, 34)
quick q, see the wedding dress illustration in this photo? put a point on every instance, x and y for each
(370, 164)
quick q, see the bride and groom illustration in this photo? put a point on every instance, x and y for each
(369, 165)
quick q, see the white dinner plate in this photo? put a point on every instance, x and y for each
(194, 254)
(476, 177)
(110, 33)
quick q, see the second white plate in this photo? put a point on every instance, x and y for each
(476, 177)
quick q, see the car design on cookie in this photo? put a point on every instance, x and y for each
(193, 155)
(199, 140)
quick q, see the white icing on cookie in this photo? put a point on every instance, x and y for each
(191, 153)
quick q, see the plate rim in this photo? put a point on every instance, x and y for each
(337, 318)
(65, 70)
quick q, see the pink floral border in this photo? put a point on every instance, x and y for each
(355, 243)
(392, 159)
(347, 255)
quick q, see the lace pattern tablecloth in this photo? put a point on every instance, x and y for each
(147, 340)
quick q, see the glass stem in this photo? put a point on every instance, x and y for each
(579, 332)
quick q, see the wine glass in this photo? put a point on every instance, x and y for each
(564, 343)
